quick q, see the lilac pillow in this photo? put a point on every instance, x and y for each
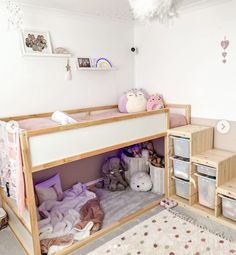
(49, 190)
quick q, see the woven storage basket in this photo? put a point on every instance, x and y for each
(134, 165)
(3, 219)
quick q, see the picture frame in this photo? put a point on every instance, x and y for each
(83, 62)
(36, 42)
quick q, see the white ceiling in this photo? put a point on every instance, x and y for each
(109, 8)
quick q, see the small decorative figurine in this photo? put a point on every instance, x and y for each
(224, 44)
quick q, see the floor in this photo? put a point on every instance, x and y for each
(10, 246)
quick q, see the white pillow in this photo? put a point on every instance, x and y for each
(49, 190)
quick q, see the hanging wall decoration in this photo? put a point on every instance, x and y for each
(36, 42)
(224, 44)
(14, 14)
(68, 76)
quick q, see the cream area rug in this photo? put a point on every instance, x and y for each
(166, 234)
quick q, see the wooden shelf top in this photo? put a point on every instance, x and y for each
(212, 157)
(187, 130)
(53, 55)
(228, 189)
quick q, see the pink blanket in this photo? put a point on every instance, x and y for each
(176, 120)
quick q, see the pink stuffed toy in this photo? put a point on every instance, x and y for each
(155, 102)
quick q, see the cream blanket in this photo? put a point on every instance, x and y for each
(58, 218)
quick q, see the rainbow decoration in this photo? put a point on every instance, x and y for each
(103, 63)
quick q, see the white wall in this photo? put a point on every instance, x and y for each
(32, 85)
(183, 61)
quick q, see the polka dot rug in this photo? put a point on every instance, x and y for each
(166, 234)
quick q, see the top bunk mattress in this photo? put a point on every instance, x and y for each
(176, 120)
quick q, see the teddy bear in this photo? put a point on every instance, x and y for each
(113, 172)
(141, 181)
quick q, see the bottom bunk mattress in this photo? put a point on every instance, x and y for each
(176, 120)
(130, 201)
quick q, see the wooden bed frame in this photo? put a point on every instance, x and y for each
(46, 148)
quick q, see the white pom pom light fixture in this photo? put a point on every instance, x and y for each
(14, 14)
(163, 10)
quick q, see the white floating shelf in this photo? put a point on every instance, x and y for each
(53, 55)
(96, 69)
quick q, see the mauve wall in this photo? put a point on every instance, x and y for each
(85, 170)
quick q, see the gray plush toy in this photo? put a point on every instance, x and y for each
(113, 172)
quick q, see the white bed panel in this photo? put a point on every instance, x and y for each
(50, 147)
(21, 232)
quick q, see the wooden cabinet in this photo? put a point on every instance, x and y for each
(202, 153)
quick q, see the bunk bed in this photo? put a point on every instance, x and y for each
(98, 130)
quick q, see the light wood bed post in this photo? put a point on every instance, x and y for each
(188, 113)
(166, 144)
(30, 193)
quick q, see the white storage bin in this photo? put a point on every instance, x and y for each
(134, 165)
(229, 207)
(182, 188)
(158, 179)
(181, 146)
(206, 191)
(181, 168)
(207, 170)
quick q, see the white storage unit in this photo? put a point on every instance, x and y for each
(181, 146)
(207, 170)
(229, 207)
(206, 191)
(181, 188)
(181, 168)
(158, 179)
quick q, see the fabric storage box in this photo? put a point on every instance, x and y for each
(3, 219)
(181, 188)
(158, 179)
(229, 207)
(206, 191)
(207, 170)
(181, 146)
(181, 168)
(134, 165)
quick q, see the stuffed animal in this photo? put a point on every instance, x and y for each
(141, 181)
(135, 100)
(155, 102)
(113, 172)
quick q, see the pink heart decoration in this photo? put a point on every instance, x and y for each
(225, 44)
(224, 61)
(224, 54)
